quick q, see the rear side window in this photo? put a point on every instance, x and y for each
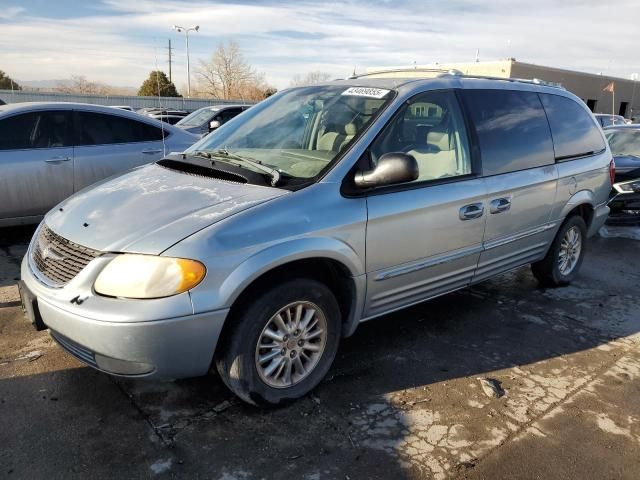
(34, 130)
(228, 114)
(512, 130)
(102, 129)
(574, 131)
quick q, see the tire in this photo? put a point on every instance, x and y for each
(549, 271)
(237, 363)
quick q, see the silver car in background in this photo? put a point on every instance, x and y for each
(321, 207)
(48, 151)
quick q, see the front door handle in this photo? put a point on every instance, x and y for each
(468, 212)
(56, 160)
(151, 151)
(500, 205)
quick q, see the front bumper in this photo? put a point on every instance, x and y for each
(137, 344)
(625, 209)
(624, 203)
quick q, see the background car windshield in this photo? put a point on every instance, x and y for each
(299, 131)
(198, 117)
(625, 142)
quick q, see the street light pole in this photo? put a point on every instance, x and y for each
(186, 31)
(634, 77)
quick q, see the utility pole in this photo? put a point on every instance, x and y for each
(186, 31)
(170, 58)
(634, 77)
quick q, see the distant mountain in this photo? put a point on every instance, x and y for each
(52, 85)
(42, 83)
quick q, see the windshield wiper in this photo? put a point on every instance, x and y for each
(201, 153)
(224, 154)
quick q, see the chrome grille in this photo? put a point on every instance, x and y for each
(57, 259)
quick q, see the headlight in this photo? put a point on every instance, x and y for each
(148, 276)
(633, 186)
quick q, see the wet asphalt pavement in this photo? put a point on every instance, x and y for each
(405, 398)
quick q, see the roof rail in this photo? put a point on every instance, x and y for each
(457, 73)
(400, 70)
(534, 81)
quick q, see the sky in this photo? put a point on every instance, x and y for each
(119, 42)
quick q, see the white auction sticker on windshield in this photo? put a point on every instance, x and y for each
(366, 92)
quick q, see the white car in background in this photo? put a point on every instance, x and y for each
(48, 151)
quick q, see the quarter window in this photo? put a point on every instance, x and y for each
(101, 129)
(512, 130)
(430, 128)
(34, 130)
(574, 131)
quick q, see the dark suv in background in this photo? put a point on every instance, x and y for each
(207, 119)
(624, 141)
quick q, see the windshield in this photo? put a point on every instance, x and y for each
(198, 117)
(300, 131)
(625, 142)
(608, 120)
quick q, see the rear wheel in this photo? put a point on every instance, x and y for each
(281, 345)
(562, 263)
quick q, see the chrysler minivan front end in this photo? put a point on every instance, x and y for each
(124, 314)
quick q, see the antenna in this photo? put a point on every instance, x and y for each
(157, 72)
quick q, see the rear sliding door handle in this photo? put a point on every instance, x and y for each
(152, 151)
(468, 212)
(500, 205)
(56, 160)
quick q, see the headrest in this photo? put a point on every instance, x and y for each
(439, 139)
(350, 129)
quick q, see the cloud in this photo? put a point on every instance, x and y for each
(10, 13)
(119, 42)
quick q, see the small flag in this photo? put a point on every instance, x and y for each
(610, 88)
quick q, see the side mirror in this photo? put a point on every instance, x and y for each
(213, 124)
(392, 168)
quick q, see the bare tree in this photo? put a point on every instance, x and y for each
(228, 75)
(80, 84)
(310, 78)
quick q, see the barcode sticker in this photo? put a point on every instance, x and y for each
(366, 92)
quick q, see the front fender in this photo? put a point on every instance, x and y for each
(287, 252)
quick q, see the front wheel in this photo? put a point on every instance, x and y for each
(562, 263)
(281, 345)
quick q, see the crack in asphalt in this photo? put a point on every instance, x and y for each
(143, 414)
(593, 378)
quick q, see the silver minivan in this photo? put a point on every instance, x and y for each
(321, 207)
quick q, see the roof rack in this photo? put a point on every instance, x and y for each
(400, 70)
(534, 81)
(458, 73)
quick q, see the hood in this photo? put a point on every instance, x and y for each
(627, 167)
(151, 208)
(627, 161)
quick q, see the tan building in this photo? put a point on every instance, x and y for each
(588, 86)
